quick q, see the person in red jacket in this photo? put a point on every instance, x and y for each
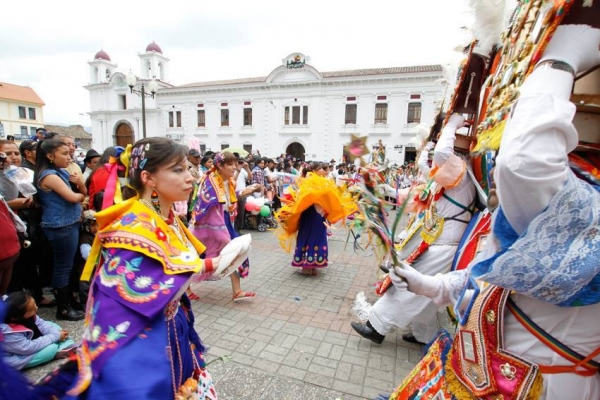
(9, 251)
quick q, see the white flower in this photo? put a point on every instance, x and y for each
(122, 327)
(142, 282)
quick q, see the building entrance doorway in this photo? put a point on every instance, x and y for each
(410, 155)
(296, 150)
(123, 135)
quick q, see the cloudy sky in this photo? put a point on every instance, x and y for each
(47, 44)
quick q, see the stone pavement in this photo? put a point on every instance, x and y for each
(294, 340)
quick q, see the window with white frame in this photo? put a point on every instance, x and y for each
(174, 119)
(381, 113)
(414, 113)
(224, 114)
(122, 102)
(295, 115)
(247, 116)
(224, 117)
(22, 112)
(201, 116)
(31, 113)
(351, 108)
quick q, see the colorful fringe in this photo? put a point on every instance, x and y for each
(428, 377)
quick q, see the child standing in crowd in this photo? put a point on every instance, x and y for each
(28, 339)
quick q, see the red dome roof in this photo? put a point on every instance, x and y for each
(101, 55)
(154, 47)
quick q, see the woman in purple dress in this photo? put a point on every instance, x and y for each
(139, 340)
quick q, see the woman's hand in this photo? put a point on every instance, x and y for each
(28, 202)
(64, 335)
(20, 203)
(77, 179)
(56, 184)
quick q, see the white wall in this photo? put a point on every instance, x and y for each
(323, 137)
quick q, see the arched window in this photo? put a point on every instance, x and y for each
(161, 71)
(95, 75)
(107, 74)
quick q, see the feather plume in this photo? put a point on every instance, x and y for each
(361, 306)
(489, 20)
(421, 132)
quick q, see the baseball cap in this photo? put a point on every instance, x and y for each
(194, 153)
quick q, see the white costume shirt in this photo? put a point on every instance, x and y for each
(401, 307)
(531, 168)
(240, 183)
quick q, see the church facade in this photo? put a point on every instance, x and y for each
(295, 109)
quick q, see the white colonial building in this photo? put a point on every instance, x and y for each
(295, 109)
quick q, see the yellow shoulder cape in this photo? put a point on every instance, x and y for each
(132, 226)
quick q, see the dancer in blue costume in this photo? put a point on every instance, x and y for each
(139, 341)
(311, 244)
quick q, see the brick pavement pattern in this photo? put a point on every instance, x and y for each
(294, 340)
(298, 326)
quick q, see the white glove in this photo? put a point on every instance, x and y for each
(456, 120)
(576, 45)
(418, 283)
(430, 145)
(398, 281)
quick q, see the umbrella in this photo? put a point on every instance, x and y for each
(239, 150)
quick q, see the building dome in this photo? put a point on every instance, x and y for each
(101, 55)
(153, 47)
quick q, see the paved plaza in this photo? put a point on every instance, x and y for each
(294, 341)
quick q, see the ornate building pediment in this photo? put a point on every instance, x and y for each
(294, 68)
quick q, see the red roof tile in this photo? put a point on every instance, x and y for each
(18, 93)
(331, 74)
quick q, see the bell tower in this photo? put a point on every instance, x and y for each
(101, 68)
(153, 64)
